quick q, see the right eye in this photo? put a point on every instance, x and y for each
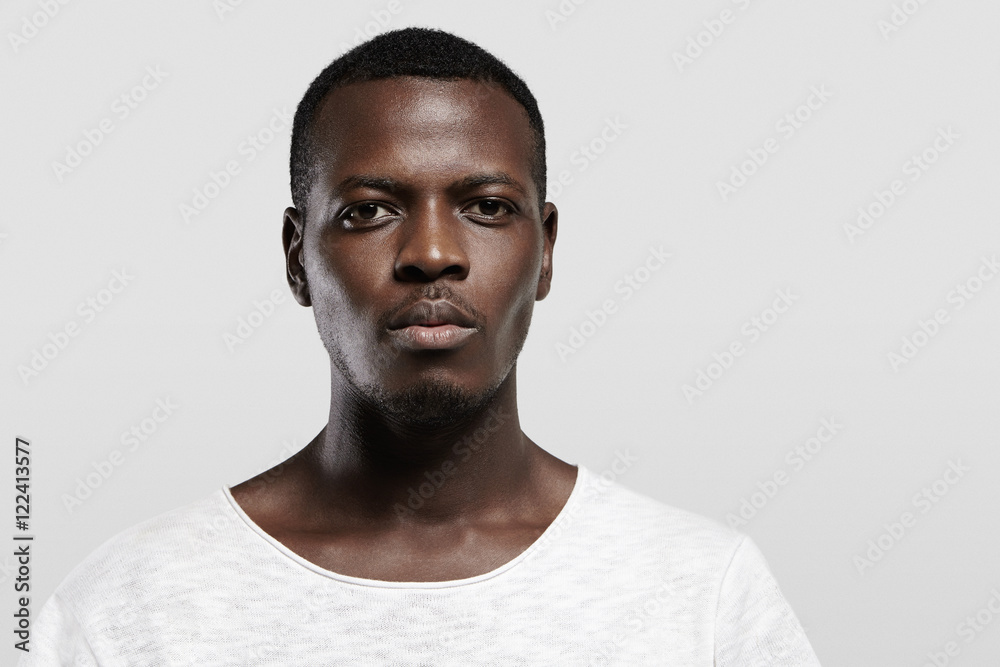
(366, 212)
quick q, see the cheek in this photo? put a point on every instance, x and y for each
(343, 272)
(512, 283)
(340, 287)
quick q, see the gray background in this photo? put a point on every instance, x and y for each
(652, 182)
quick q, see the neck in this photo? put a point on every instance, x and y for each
(364, 464)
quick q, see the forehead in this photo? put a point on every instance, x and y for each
(420, 128)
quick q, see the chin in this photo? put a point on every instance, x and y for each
(432, 403)
(434, 399)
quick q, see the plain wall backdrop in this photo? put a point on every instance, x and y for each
(823, 175)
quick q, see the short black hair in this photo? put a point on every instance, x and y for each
(422, 52)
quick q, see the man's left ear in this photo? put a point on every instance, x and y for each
(550, 220)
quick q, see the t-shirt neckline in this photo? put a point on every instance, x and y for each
(546, 536)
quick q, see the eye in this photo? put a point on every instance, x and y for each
(490, 208)
(366, 212)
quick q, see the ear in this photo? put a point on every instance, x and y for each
(550, 220)
(295, 270)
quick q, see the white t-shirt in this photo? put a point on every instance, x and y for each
(617, 579)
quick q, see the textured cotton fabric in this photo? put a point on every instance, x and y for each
(617, 579)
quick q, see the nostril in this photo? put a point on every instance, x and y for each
(416, 273)
(412, 273)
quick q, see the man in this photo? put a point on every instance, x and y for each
(421, 526)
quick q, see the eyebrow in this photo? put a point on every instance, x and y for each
(371, 182)
(498, 178)
(392, 185)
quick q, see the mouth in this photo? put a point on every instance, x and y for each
(434, 337)
(432, 325)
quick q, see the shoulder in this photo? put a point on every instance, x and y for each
(136, 578)
(627, 511)
(651, 531)
(155, 549)
(718, 574)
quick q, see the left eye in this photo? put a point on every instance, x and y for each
(490, 208)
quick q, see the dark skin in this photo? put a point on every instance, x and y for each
(424, 192)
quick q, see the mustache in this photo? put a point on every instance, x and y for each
(432, 292)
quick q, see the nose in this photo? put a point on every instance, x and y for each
(432, 245)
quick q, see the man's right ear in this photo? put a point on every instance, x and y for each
(295, 270)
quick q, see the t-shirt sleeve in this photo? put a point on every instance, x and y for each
(755, 625)
(57, 639)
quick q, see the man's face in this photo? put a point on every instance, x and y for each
(424, 247)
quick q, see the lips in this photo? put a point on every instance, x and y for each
(431, 325)
(431, 314)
